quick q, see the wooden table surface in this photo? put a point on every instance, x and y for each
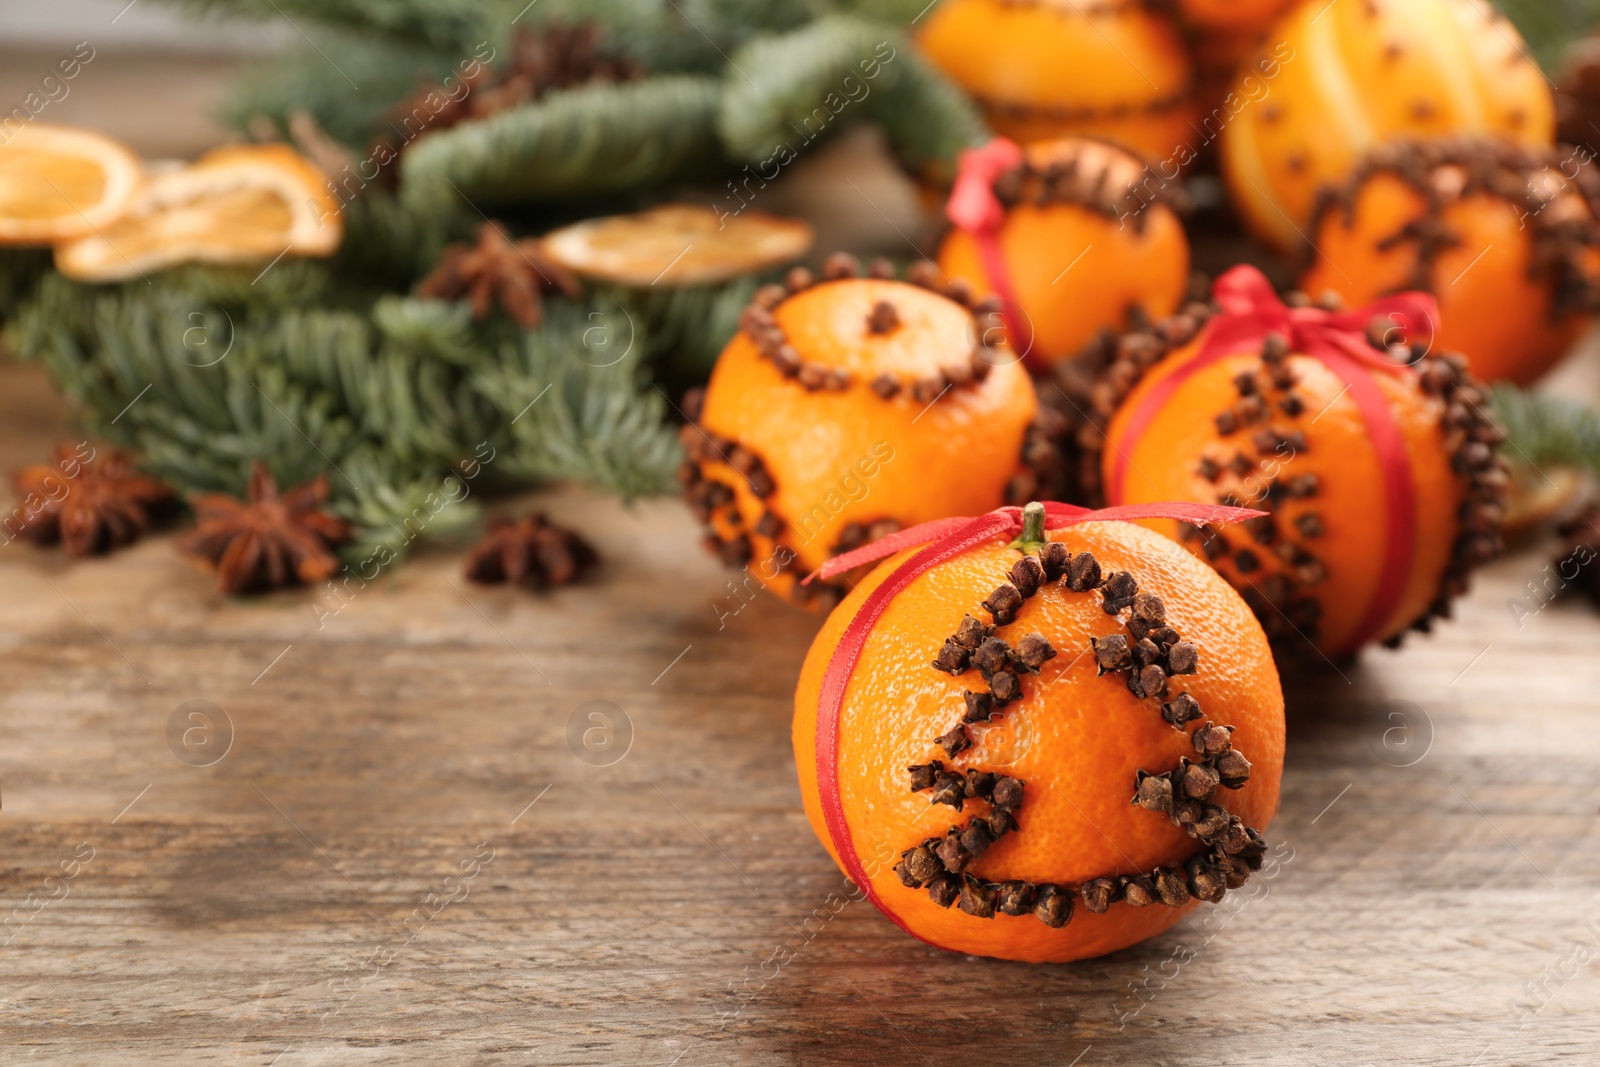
(401, 857)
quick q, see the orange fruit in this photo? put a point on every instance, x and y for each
(845, 409)
(238, 204)
(1352, 76)
(677, 244)
(1048, 774)
(58, 183)
(1357, 548)
(1504, 236)
(1085, 241)
(1054, 68)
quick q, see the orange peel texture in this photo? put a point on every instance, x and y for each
(1074, 744)
(845, 409)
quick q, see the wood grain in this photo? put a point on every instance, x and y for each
(275, 907)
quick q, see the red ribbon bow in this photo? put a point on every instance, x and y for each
(1250, 311)
(975, 209)
(944, 539)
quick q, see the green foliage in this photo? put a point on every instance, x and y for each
(20, 271)
(785, 91)
(329, 367)
(443, 24)
(348, 82)
(204, 371)
(685, 328)
(1545, 430)
(588, 141)
(391, 244)
(577, 402)
(1549, 26)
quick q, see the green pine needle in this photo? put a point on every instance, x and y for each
(785, 91)
(1543, 430)
(589, 141)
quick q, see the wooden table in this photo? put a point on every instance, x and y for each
(401, 857)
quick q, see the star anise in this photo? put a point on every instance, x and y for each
(267, 541)
(89, 506)
(495, 267)
(530, 551)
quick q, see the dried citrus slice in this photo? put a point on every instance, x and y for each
(677, 244)
(58, 183)
(234, 205)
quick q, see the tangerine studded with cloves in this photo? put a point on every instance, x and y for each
(1348, 76)
(1009, 787)
(847, 407)
(1085, 243)
(1270, 428)
(1504, 236)
(1042, 69)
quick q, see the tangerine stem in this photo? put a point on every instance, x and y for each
(1033, 536)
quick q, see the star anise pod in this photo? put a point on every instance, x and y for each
(267, 540)
(497, 268)
(89, 506)
(530, 551)
(1577, 565)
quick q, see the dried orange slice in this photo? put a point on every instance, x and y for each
(235, 205)
(58, 183)
(677, 244)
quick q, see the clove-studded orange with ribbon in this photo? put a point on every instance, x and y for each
(1378, 472)
(1041, 733)
(1069, 235)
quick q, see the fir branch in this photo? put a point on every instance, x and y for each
(835, 71)
(594, 140)
(579, 409)
(20, 271)
(686, 327)
(318, 79)
(1550, 26)
(446, 24)
(1545, 430)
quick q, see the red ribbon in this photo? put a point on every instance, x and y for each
(1250, 311)
(944, 539)
(975, 209)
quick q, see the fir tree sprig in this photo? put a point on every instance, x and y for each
(577, 402)
(824, 76)
(590, 141)
(1544, 430)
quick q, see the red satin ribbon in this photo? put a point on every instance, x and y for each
(1250, 311)
(975, 209)
(943, 539)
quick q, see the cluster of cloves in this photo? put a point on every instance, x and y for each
(1093, 384)
(1182, 793)
(1443, 171)
(857, 534)
(1279, 600)
(760, 324)
(1002, 665)
(1085, 181)
(940, 863)
(1155, 653)
(1043, 473)
(708, 496)
(1474, 434)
